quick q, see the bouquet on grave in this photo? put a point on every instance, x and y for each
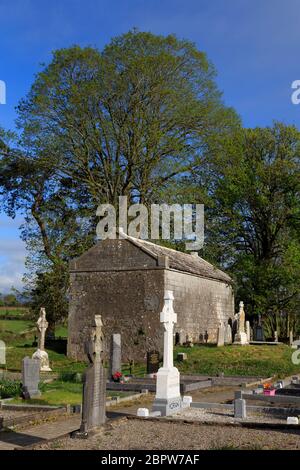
(117, 376)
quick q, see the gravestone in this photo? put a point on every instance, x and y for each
(167, 399)
(240, 336)
(2, 353)
(240, 411)
(41, 354)
(248, 331)
(94, 388)
(115, 354)
(258, 333)
(221, 335)
(181, 357)
(30, 377)
(275, 337)
(228, 334)
(152, 362)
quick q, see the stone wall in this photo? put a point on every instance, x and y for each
(126, 286)
(201, 304)
(129, 302)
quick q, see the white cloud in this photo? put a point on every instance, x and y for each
(12, 259)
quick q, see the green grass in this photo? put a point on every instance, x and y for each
(252, 360)
(16, 326)
(59, 393)
(13, 311)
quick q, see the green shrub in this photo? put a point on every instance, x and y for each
(9, 388)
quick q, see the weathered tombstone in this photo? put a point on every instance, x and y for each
(240, 411)
(248, 331)
(115, 354)
(181, 357)
(221, 335)
(41, 354)
(167, 398)
(2, 353)
(30, 377)
(228, 334)
(94, 388)
(258, 333)
(152, 362)
(275, 337)
(240, 336)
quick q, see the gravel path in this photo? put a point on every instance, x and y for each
(150, 435)
(223, 415)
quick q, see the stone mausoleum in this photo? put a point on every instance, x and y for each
(124, 280)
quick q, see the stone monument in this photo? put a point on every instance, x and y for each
(115, 355)
(41, 354)
(241, 336)
(248, 331)
(152, 362)
(94, 388)
(228, 334)
(2, 353)
(167, 398)
(30, 377)
(221, 335)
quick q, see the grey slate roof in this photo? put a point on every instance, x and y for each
(183, 261)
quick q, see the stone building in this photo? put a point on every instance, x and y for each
(124, 281)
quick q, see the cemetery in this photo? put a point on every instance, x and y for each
(149, 231)
(202, 385)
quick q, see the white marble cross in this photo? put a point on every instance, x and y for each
(168, 317)
(42, 325)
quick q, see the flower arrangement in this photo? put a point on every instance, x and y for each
(117, 376)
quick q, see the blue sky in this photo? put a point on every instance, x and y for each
(253, 44)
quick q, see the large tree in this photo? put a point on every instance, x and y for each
(129, 120)
(254, 218)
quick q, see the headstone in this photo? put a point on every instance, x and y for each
(248, 331)
(221, 335)
(152, 362)
(181, 357)
(41, 354)
(240, 336)
(258, 333)
(240, 408)
(30, 377)
(296, 344)
(94, 388)
(167, 398)
(275, 337)
(2, 353)
(228, 334)
(115, 354)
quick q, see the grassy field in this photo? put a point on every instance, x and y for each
(252, 360)
(63, 393)
(13, 311)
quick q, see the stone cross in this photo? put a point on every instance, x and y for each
(168, 318)
(94, 388)
(167, 398)
(41, 354)
(94, 347)
(42, 326)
